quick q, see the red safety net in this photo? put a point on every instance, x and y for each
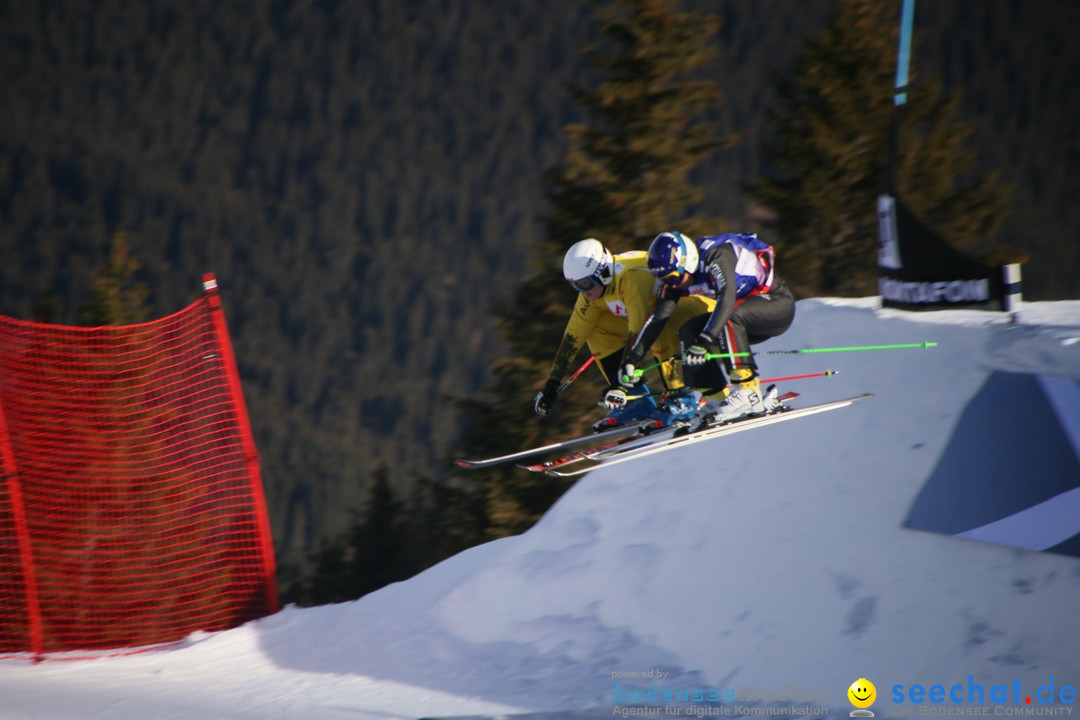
(131, 503)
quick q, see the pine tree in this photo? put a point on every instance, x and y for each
(624, 179)
(369, 556)
(115, 298)
(390, 540)
(832, 129)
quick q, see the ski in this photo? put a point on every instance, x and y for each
(476, 464)
(619, 455)
(644, 432)
(647, 436)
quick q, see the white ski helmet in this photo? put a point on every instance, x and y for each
(587, 263)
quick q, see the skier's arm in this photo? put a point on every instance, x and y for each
(582, 321)
(720, 264)
(637, 296)
(579, 328)
(666, 298)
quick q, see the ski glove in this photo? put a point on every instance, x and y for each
(614, 398)
(546, 397)
(628, 376)
(697, 353)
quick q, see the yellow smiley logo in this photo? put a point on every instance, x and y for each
(862, 693)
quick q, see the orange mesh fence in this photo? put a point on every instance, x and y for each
(131, 504)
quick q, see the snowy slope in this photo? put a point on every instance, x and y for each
(767, 561)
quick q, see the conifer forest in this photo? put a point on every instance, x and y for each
(384, 189)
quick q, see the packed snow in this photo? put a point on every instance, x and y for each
(760, 573)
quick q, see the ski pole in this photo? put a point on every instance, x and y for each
(574, 377)
(786, 378)
(804, 351)
(638, 372)
(808, 351)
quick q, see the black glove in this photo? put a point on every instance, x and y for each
(546, 397)
(696, 353)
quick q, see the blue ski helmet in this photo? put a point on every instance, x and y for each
(671, 254)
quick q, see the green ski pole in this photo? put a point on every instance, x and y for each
(638, 372)
(809, 351)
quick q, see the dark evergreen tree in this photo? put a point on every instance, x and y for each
(832, 130)
(46, 309)
(391, 540)
(116, 297)
(624, 179)
(368, 557)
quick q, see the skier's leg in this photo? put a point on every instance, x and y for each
(761, 317)
(756, 319)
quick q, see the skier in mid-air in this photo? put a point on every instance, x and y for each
(728, 294)
(615, 298)
(751, 305)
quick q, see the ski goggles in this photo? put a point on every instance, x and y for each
(585, 284)
(672, 278)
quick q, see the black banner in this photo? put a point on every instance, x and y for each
(920, 271)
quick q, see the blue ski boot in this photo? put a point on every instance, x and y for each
(680, 405)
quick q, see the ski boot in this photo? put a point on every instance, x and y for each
(680, 405)
(742, 400)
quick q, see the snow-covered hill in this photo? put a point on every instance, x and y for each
(770, 566)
